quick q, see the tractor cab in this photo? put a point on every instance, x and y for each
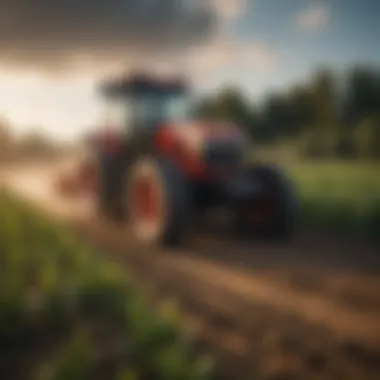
(139, 104)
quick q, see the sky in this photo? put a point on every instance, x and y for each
(53, 52)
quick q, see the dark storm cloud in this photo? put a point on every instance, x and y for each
(54, 31)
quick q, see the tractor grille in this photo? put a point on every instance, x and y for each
(222, 153)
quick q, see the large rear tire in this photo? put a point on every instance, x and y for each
(158, 202)
(273, 214)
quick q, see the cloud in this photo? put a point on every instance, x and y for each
(221, 53)
(313, 17)
(240, 54)
(55, 32)
(229, 9)
(54, 35)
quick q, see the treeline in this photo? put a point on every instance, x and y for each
(330, 115)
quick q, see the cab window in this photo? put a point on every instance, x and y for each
(148, 111)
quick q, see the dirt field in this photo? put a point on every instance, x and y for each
(307, 310)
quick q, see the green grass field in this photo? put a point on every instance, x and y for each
(67, 314)
(339, 197)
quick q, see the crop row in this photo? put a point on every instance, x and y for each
(66, 313)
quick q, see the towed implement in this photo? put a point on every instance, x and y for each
(157, 167)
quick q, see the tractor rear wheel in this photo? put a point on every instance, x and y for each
(274, 212)
(158, 202)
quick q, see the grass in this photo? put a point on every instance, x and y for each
(340, 197)
(66, 314)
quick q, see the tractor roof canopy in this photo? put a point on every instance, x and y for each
(143, 84)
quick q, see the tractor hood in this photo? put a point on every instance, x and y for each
(217, 145)
(198, 134)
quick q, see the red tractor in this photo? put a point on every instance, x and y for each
(159, 167)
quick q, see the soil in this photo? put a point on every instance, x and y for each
(309, 309)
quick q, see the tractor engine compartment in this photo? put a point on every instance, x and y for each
(222, 156)
(204, 150)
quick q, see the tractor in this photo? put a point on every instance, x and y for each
(159, 166)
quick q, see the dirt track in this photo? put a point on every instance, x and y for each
(309, 310)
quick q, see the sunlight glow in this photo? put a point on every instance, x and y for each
(55, 106)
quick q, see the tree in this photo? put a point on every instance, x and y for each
(324, 100)
(231, 104)
(279, 115)
(325, 129)
(363, 94)
(362, 107)
(206, 107)
(301, 105)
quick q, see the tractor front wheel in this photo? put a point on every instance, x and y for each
(273, 213)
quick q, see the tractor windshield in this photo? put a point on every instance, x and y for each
(152, 109)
